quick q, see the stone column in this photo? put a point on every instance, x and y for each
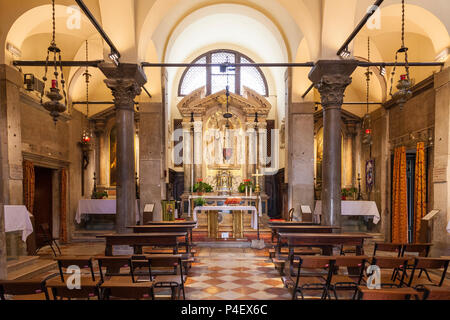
(251, 150)
(262, 150)
(152, 158)
(301, 157)
(441, 173)
(187, 156)
(125, 83)
(198, 151)
(331, 78)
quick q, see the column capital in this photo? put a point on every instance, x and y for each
(331, 78)
(198, 125)
(125, 82)
(186, 125)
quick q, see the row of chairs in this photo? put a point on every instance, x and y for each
(119, 277)
(324, 273)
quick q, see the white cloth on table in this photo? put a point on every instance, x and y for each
(230, 208)
(354, 208)
(17, 218)
(448, 227)
(99, 206)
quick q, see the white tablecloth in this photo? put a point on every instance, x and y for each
(99, 206)
(230, 208)
(355, 208)
(17, 218)
(448, 227)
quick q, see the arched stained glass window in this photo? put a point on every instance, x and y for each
(214, 80)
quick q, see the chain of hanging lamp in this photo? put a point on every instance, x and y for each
(403, 94)
(87, 76)
(53, 105)
(367, 123)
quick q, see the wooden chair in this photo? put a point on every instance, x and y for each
(387, 247)
(82, 262)
(165, 271)
(345, 281)
(47, 238)
(396, 264)
(113, 266)
(365, 293)
(114, 289)
(419, 250)
(318, 280)
(23, 288)
(421, 263)
(60, 290)
(436, 293)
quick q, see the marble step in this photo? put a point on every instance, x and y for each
(36, 269)
(21, 262)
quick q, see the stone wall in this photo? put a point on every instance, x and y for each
(393, 127)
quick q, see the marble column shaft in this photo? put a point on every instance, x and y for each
(125, 83)
(198, 150)
(331, 78)
(262, 153)
(187, 156)
(251, 150)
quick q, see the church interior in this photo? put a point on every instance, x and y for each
(225, 150)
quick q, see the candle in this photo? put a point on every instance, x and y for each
(403, 77)
(54, 84)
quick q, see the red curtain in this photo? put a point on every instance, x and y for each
(399, 198)
(28, 185)
(420, 192)
(63, 207)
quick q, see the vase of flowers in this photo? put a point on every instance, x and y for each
(200, 187)
(98, 195)
(245, 186)
(199, 202)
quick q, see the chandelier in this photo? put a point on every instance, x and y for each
(404, 92)
(367, 121)
(53, 105)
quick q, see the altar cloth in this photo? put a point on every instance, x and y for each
(354, 208)
(17, 218)
(254, 222)
(99, 206)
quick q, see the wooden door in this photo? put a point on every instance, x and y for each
(43, 201)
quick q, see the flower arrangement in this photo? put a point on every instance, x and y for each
(233, 201)
(348, 192)
(199, 202)
(201, 187)
(99, 195)
(247, 183)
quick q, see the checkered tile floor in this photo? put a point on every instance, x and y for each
(234, 274)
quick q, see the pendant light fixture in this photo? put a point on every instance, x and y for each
(87, 133)
(404, 92)
(53, 105)
(367, 121)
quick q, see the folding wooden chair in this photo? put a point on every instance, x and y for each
(113, 266)
(313, 281)
(427, 264)
(341, 281)
(395, 248)
(365, 293)
(60, 290)
(31, 288)
(396, 264)
(48, 239)
(81, 262)
(116, 289)
(419, 250)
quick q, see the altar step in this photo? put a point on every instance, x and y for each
(29, 267)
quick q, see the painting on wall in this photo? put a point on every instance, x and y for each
(370, 174)
(113, 157)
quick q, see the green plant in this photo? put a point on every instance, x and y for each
(247, 183)
(99, 195)
(201, 186)
(199, 202)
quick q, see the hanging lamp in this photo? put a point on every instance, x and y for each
(53, 105)
(367, 121)
(404, 92)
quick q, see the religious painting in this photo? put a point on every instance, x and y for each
(370, 174)
(113, 157)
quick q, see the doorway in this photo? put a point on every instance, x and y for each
(43, 201)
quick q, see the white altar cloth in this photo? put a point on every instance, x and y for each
(355, 208)
(230, 208)
(448, 227)
(17, 218)
(99, 206)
